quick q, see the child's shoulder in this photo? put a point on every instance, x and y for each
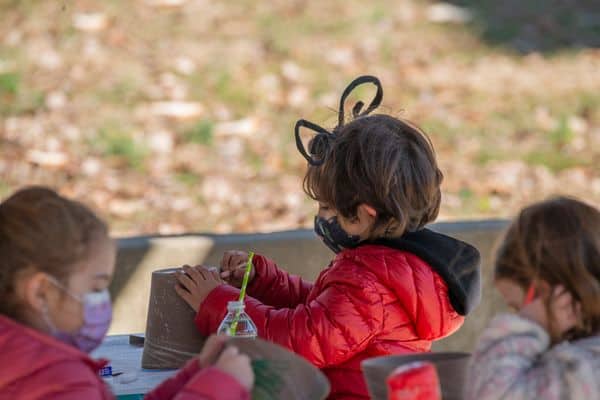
(371, 251)
(373, 256)
(375, 263)
(588, 348)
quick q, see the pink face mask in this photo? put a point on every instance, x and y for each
(97, 316)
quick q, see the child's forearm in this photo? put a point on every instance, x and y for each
(169, 388)
(213, 384)
(276, 287)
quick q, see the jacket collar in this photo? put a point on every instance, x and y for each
(457, 262)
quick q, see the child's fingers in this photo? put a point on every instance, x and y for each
(230, 351)
(565, 308)
(217, 340)
(209, 273)
(225, 274)
(214, 273)
(232, 258)
(559, 290)
(225, 262)
(578, 309)
(562, 298)
(212, 349)
(235, 272)
(185, 295)
(239, 271)
(195, 273)
(185, 280)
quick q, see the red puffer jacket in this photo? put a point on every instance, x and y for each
(377, 299)
(35, 366)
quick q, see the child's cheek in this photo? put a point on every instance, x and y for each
(326, 213)
(68, 315)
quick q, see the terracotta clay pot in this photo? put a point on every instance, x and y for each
(171, 335)
(451, 369)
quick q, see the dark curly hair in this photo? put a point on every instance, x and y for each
(382, 161)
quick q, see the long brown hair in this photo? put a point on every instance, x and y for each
(386, 163)
(557, 241)
(43, 231)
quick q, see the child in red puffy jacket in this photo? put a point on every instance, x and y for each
(56, 262)
(393, 286)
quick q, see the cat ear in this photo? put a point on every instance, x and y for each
(318, 145)
(356, 109)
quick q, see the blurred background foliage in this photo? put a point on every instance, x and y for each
(171, 115)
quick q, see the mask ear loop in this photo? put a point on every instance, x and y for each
(530, 295)
(356, 110)
(47, 320)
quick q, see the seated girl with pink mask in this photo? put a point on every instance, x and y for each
(56, 263)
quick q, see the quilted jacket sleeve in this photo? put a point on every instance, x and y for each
(169, 388)
(212, 384)
(193, 383)
(513, 360)
(276, 287)
(332, 327)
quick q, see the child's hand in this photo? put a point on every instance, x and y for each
(233, 267)
(196, 283)
(237, 365)
(564, 311)
(213, 347)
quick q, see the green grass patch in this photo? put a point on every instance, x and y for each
(554, 160)
(562, 134)
(187, 178)
(466, 194)
(489, 154)
(123, 92)
(201, 133)
(233, 93)
(23, 6)
(113, 141)
(221, 85)
(9, 83)
(255, 161)
(14, 98)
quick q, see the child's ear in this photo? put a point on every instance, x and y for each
(368, 210)
(365, 215)
(32, 290)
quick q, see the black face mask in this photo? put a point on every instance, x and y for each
(333, 235)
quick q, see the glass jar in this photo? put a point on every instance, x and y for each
(237, 323)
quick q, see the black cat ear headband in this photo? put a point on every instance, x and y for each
(320, 143)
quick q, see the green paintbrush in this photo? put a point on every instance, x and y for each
(234, 324)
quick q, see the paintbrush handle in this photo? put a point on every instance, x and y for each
(246, 276)
(236, 319)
